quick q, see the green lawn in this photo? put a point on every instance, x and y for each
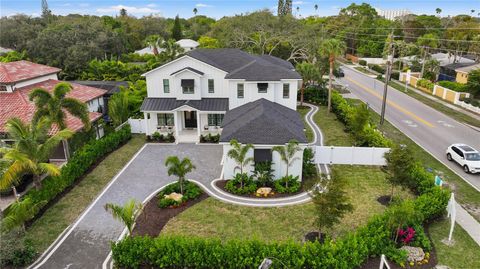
(308, 130)
(459, 116)
(47, 228)
(464, 254)
(212, 218)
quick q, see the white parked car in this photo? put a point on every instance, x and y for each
(466, 156)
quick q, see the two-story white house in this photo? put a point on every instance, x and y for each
(250, 98)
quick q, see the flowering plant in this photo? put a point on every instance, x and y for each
(406, 236)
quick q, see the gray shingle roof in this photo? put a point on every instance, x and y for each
(263, 122)
(188, 68)
(242, 65)
(167, 104)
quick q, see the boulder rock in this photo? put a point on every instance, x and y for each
(414, 254)
(174, 196)
(264, 191)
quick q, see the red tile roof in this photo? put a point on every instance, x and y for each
(23, 70)
(16, 103)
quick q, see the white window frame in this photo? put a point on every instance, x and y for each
(240, 88)
(166, 89)
(287, 89)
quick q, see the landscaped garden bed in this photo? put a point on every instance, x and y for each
(252, 191)
(161, 138)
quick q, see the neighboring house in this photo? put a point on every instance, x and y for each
(18, 79)
(462, 73)
(251, 98)
(185, 44)
(111, 88)
(392, 14)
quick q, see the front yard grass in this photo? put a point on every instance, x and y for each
(213, 218)
(49, 226)
(303, 110)
(463, 254)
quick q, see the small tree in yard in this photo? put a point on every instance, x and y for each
(401, 214)
(179, 168)
(331, 202)
(126, 213)
(239, 154)
(473, 83)
(400, 163)
(287, 154)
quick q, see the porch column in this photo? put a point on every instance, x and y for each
(199, 127)
(147, 128)
(175, 122)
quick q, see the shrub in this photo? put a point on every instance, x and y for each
(263, 173)
(191, 192)
(395, 75)
(314, 95)
(209, 138)
(377, 68)
(15, 250)
(452, 85)
(158, 137)
(309, 169)
(78, 165)
(287, 184)
(362, 62)
(425, 83)
(235, 185)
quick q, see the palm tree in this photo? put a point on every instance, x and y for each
(438, 11)
(315, 7)
(332, 48)
(171, 50)
(309, 73)
(126, 213)
(195, 10)
(287, 154)
(239, 154)
(179, 168)
(118, 108)
(19, 212)
(31, 150)
(53, 106)
(153, 41)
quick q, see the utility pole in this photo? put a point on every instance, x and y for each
(387, 76)
(425, 52)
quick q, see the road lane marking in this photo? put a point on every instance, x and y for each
(393, 104)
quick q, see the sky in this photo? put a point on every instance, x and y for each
(218, 9)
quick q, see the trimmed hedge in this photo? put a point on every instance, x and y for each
(425, 83)
(377, 68)
(362, 62)
(369, 136)
(452, 85)
(78, 164)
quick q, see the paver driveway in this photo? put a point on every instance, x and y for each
(86, 243)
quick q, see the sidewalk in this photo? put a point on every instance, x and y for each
(468, 223)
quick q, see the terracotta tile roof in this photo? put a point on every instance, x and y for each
(23, 70)
(16, 104)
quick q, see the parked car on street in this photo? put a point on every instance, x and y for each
(466, 156)
(339, 73)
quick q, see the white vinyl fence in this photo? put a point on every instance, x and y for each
(137, 125)
(350, 155)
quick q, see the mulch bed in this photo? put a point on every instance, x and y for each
(221, 184)
(153, 218)
(384, 200)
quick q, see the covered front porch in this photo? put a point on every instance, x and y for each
(187, 125)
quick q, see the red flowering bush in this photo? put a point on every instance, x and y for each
(406, 236)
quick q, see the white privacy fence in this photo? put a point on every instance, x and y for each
(137, 125)
(350, 155)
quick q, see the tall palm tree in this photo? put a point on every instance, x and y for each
(315, 7)
(30, 153)
(53, 105)
(287, 154)
(195, 10)
(179, 168)
(331, 48)
(19, 212)
(171, 49)
(438, 11)
(126, 213)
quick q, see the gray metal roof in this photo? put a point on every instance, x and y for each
(167, 104)
(242, 65)
(263, 122)
(111, 86)
(188, 68)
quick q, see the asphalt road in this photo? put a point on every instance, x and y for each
(429, 128)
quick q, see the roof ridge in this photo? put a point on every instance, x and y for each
(242, 67)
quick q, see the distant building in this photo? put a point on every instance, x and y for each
(4, 50)
(392, 14)
(462, 73)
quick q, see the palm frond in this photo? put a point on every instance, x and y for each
(16, 128)
(77, 109)
(40, 97)
(49, 168)
(61, 90)
(52, 142)
(20, 212)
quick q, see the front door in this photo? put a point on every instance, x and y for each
(190, 119)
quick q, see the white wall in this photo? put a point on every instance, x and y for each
(374, 60)
(279, 167)
(223, 88)
(94, 104)
(350, 155)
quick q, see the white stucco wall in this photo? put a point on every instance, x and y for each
(278, 165)
(94, 104)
